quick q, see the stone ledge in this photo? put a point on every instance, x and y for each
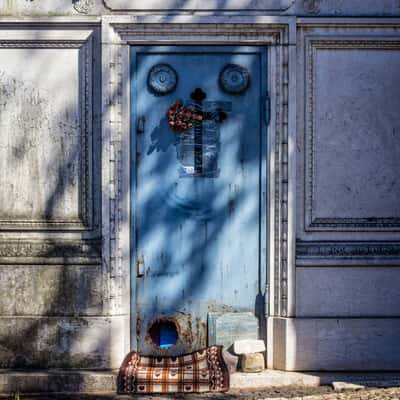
(57, 381)
(90, 381)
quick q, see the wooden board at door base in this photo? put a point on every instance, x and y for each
(198, 190)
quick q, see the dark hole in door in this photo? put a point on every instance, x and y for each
(163, 333)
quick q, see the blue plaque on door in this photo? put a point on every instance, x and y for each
(198, 148)
(162, 79)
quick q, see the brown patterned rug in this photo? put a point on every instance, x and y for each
(202, 371)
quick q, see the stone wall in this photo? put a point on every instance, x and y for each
(348, 213)
(64, 202)
(313, 8)
(53, 307)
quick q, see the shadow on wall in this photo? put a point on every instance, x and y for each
(53, 312)
(50, 278)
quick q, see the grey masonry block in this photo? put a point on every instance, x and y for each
(253, 362)
(51, 290)
(337, 344)
(61, 342)
(57, 381)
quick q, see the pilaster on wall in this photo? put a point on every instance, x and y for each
(278, 34)
(115, 194)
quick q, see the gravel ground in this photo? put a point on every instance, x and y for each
(292, 393)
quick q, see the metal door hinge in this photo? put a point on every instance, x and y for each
(267, 109)
(140, 267)
(266, 300)
(140, 124)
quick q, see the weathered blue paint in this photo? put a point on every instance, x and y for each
(198, 240)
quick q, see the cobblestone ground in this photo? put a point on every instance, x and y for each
(286, 393)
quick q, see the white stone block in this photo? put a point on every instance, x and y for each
(342, 386)
(248, 346)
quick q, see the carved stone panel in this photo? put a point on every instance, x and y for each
(50, 7)
(353, 135)
(347, 8)
(45, 144)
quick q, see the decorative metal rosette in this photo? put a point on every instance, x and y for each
(83, 6)
(162, 79)
(234, 79)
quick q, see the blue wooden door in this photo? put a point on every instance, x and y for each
(198, 190)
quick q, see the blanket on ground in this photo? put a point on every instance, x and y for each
(202, 371)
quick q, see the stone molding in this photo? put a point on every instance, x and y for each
(202, 33)
(312, 223)
(198, 5)
(277, 32)
(33, 44)
(83, 41)
(61, 252)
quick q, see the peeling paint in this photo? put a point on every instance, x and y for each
(189, 338)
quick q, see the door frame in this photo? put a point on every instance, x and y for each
(263, 194)
(278, 34)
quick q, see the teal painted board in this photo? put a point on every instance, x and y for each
(198, 188)
(225, 328)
